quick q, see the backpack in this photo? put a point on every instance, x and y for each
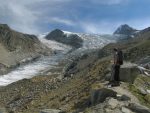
(120, 57)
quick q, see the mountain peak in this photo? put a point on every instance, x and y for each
(125, 30)
(69, 39)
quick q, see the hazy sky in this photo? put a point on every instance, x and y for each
(90, 16)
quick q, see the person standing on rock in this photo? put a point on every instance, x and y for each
(117, 62)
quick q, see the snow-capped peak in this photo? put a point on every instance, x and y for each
(53, 44)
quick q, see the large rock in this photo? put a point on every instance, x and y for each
(99, 95)
(113, 103)
(51, 111)
(141, 84)
(129, 72)
(126, 110)
(139, 108)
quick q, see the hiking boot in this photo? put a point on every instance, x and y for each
(116, 83)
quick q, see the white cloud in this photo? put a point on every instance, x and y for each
(18, 16)
(109, 2)
(25, 15)
(61, 21)
(108, 27)
(102, 27)
(28, 16)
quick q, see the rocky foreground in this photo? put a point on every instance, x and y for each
(79, 86)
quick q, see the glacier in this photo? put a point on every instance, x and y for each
(91, 41)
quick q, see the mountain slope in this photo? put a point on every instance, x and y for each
(125, 30)
(18, 47)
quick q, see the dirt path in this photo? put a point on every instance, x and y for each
(123, 90)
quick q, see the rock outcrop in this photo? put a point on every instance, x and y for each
(71, 39)
(99, 95)
(15, 41)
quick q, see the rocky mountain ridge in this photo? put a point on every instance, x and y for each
(16, 47)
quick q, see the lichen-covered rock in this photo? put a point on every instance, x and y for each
(142, 84)
(99, 95)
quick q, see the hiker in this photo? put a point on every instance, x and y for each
(117, 62)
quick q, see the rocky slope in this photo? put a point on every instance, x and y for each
(16, 48)
(71, 39)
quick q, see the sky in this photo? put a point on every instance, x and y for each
(84, 16)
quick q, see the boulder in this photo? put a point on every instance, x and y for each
(138, 108)
(126, 110)
(113, 103)
(124, 98)
(52, 111)
(99, 95)
(129, 72)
